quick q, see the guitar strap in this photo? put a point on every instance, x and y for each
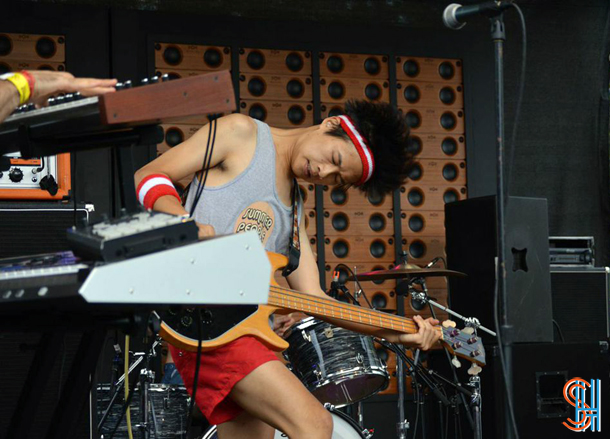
(294, 246)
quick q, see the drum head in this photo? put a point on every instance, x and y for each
(343, 428)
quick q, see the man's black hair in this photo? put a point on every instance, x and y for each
(386, 131)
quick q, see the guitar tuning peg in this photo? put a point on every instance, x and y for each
(474, 369)
(456, 363)
(449, 324)
(468, 330)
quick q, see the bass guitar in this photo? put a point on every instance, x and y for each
(220, 325)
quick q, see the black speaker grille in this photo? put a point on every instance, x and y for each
(580, 304)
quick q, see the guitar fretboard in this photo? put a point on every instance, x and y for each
(326, 307)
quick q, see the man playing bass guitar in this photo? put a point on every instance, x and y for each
(249, 187)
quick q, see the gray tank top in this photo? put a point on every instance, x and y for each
(250, 201)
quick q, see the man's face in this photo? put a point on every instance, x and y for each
(324, 159)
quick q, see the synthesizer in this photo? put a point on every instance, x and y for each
(69, 119)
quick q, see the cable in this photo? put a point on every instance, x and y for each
(513, 136)
(207, 160)
(559, 330)
(196, 377)
(127, 393)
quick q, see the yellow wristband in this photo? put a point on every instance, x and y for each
(23, 87)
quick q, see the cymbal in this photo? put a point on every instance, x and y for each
(400, 273)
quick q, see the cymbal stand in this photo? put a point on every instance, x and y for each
(403, 425)
(118, 385)
(147, 407)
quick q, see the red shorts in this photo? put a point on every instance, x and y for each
(219, 370)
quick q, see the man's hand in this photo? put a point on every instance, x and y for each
(424, 339)
(283, 322)
(48, 83)
(206, 231)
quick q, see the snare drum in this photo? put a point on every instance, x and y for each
(336, 365)
(171, 404)
(344, 427)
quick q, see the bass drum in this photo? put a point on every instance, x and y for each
(344, 427)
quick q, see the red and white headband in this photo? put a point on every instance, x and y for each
(368, 164)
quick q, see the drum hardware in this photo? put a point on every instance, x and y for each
(146, 378)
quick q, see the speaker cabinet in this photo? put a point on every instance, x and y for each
(308, 194)
(437, 146)
(354, 199)
(428, 69)
(174, 135)
(423, 223)
(281, 114)
(414, 196)
(275, 87)
(33, 228)
(353, 65)
(10, 65)
(438, 172)
(282, 62)
(580, 303)
(423, 249)
(343, 89)
(192, 57)
(359, 248)
(27, 47)
(430, 94)
(471, 248)
(358, 222)
(434, 120)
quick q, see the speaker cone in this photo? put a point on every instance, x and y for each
(372, 92)
(295, 88)
(296, 114)
(257, 111)
(294, 62)
(450, 172)
(172, 55)
(416, 172)
(173, 137)
(447, 95)
(340, 248)
(379, 301)
(377, 248)
(413, 119)
(411, 68)
(414, 145)
(377, 222)
(256, 87)
(340, 222)
(336, 90)
(338, 196)
(372, 66)
(212, 57)
(411, 94)
(416, 223)
(256, 60)
(450, 196)
(449, 146)
(415, 197)
(448, 121)
(417, 249)
(45, 47)
(335, 111)
(334, 64)
(6, 45)
(446, 70)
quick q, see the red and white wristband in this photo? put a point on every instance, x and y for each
(153, 187)
(368, 163)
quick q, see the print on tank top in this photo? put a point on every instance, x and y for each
(259, 217)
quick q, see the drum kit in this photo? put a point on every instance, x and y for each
(339, 367)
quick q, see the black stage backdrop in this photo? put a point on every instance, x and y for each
(562, 144)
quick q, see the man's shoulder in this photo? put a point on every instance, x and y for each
(240, 126)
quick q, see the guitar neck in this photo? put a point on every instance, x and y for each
(326, 307)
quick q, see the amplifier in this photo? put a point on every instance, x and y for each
(33, 228)
(572, 250)
(580, 303)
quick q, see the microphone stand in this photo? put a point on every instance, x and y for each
(498, 36)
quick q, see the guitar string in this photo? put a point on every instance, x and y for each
(345, 306)
(352, 309)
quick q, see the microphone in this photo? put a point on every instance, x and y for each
(455, 14)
